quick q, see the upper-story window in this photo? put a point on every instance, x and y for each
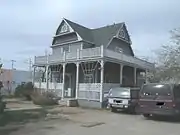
(66, 48)
(119, 50)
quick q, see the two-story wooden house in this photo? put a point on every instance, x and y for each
(85, 63)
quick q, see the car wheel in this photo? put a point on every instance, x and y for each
(113, 109)
(146, 115)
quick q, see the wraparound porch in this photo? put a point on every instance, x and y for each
(70, 80)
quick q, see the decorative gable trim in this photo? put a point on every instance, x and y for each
(71, 30)
(63, 23)
(122, 33)
(79, 37)
(117, 38)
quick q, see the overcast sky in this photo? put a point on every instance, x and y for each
(27, 26)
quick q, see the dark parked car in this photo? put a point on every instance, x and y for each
(159, 99)
(124, 99)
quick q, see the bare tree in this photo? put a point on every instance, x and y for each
(168, 59)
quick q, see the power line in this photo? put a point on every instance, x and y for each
(11, 63)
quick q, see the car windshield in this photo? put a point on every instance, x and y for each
(119, 92)
(156, 89)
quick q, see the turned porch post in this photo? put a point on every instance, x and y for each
(47, 78)
(64, 70)
(135, 76)
(102, 81)
(121, 73)
(77, 79)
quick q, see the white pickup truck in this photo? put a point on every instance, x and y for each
(123, 99)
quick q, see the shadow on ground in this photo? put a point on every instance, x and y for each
(126, 113)
(13, 120)
(165, 119)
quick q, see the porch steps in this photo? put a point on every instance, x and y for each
(70, 102)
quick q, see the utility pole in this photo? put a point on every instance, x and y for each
(12, 63)
(30, 64)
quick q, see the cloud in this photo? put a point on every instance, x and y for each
(27, 27)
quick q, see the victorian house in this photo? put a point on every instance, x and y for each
(85, 63)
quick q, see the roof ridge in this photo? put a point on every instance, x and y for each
(76, 23)
(107, 26)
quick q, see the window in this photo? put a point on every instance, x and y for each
(118, 49)
(66, 48)
(120, 92)
(156, 89)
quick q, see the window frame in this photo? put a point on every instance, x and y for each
(63, 50)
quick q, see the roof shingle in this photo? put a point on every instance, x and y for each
(98, 36)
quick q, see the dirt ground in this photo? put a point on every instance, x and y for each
(77, 121)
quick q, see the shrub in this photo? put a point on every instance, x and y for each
(2, 105)
(44, 98)
(25, 90)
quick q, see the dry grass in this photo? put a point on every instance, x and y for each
(21, 116)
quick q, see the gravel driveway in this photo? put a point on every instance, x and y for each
(76, 121)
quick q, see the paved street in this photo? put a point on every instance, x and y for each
(77, 121)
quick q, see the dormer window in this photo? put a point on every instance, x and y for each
(119, 50)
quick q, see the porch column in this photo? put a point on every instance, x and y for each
(121, 73)
(135, 78)
(64, 70)
(102, 81)
(77, 79)
(47, 78)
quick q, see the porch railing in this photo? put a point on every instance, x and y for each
(89, 53)
(76, 55)
(54, 87)
(89, 91)
(40, 85)
(92, 53)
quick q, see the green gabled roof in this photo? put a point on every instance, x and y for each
(103, 35)
(98, 36)
(84, 32)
